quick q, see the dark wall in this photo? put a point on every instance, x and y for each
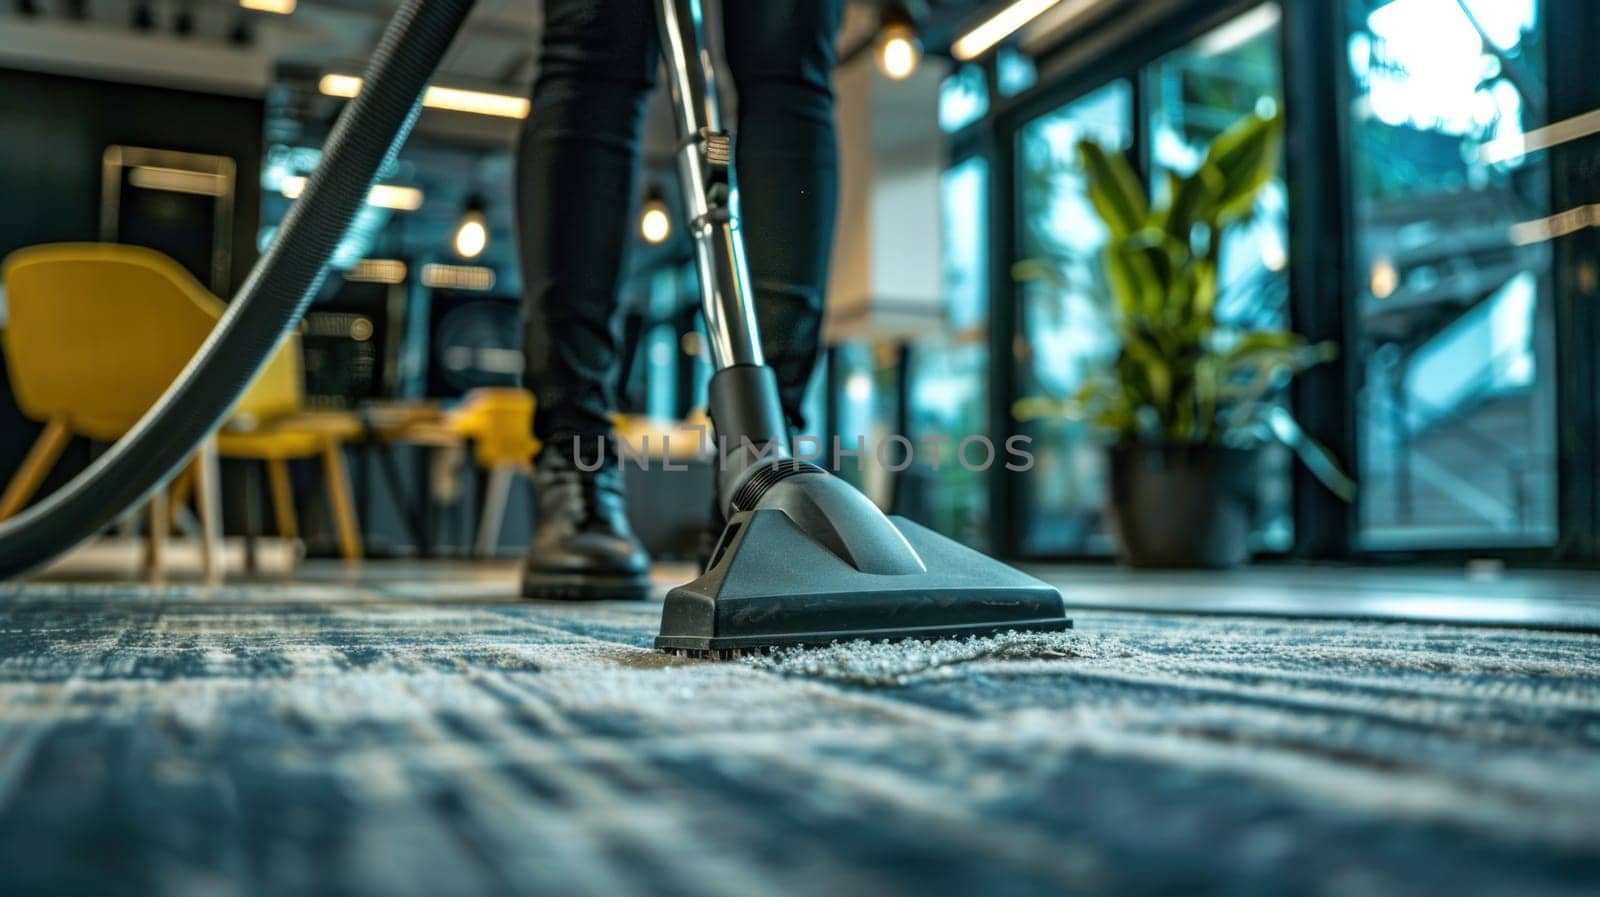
(53, 131)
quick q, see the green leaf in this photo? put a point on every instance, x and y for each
(1157, 374)
(1312, 453)
(1034, 269)
(1205, 395)
(1037, 269)
(1114, 190)
(1203, 297)
(1100, 400)
(1267, 350)
(1191, 199)
(1273, 345)
(1175, 315)
(1183, 423)
(1030, 408)
(1133, 280)
(1246, 157)
(1269, 339)
(1165, 254)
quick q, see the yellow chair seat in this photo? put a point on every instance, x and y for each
(288, 437)
(269, 446)
(499, 421)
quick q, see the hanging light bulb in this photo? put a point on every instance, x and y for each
(899, 49)
(655, 221)
(472, 234)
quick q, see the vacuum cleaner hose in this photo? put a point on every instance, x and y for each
(367, 135)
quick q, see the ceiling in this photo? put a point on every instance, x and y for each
(215, 46)
(496, 50)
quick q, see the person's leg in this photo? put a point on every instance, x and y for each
(576, 172)
(786, 159)
(575, 193)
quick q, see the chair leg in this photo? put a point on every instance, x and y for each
(35, 467)
(495, 500)
(208, 497)
(283, 513)
(338, 484)
(178, 495)
(155, 537)
(250, 494)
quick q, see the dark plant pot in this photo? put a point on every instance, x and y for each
(1182, 505)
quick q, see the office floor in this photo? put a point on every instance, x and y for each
(417, 730)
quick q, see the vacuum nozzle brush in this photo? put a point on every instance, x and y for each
(811, 561)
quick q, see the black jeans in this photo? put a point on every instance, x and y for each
(577, 190)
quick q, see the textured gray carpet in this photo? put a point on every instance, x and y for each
(438, 739)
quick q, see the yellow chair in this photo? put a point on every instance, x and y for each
(96, 334)
(498, 421)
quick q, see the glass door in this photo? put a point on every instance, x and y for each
(1456, 412)
(1064, 333)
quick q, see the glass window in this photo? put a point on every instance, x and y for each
(947, 402)
(947, 390)
(1456, 411)
(963, 98)
(1192, 95)
(964, 190)
(1064, 331)
(1014, 71)
(865, 380)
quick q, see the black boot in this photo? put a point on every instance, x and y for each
(583, 547)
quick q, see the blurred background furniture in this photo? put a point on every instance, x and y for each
(474, 450)
(96, 333)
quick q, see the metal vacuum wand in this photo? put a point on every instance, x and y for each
(705, 168)
(744, 392)
(805, 558)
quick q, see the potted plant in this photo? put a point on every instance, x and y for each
(1189, 399)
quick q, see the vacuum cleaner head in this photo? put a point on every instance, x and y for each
(805, 559)
(812, 561)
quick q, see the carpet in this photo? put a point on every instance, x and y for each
(432, 738)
